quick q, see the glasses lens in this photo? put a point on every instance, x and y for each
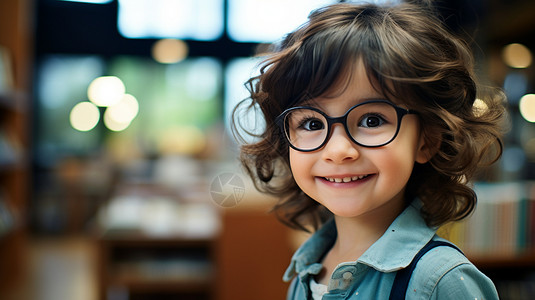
(305, 129)
(370, 124)
(373, 124)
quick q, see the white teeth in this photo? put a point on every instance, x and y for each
(346, 179)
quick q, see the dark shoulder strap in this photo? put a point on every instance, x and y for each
(403, 276)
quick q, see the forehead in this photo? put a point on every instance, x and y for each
(352, 86)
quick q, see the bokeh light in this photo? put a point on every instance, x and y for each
(119, 116)
(169, 51)
(527, 107)
(106, 90)
(113, 124)
(84, 116)
(125, 110)
(517, 56)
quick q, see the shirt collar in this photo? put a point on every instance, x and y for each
(407, 234)
(306, 258)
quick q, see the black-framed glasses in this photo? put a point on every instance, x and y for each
(372, 123)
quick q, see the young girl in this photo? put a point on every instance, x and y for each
(371, 137)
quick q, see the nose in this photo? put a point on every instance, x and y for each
(339, 148)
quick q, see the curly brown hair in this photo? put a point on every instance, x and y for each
(410, 56)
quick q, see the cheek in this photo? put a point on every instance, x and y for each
(400, 155)
(300, 166)
(395, 172)
(397, 165)
(295, 162)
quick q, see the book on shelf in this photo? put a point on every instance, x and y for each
(6, 71)
(503, 223)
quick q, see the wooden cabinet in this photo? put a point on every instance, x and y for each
(253, 252)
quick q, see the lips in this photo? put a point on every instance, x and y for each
(345, 179)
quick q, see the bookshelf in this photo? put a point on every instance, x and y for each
(154, 245)
(499, 237)
(15, 86)
(502, 228)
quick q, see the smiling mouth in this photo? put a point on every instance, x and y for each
(346, 179)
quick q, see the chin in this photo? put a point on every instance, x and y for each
(346, 212)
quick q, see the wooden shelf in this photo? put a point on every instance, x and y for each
(521, 260)
(137, 239)
(145, 264)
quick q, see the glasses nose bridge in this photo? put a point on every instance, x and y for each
(342, 120)
(335, 120)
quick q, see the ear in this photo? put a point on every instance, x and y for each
(427, 148)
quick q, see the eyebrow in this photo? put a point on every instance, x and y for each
(317, 103)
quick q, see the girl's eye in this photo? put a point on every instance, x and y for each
(371, 121)
(311, 124)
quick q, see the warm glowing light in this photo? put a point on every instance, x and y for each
(125, 110)
(106, 90)
(517, 56)
(84, 116)
(169, 51)
(112, 124)
(527, 107)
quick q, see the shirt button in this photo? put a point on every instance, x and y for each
(347, 275)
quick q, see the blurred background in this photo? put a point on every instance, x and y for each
(119, 176)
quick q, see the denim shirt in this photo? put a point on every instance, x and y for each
(443, 273)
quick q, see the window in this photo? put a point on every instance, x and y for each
(184, 19)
